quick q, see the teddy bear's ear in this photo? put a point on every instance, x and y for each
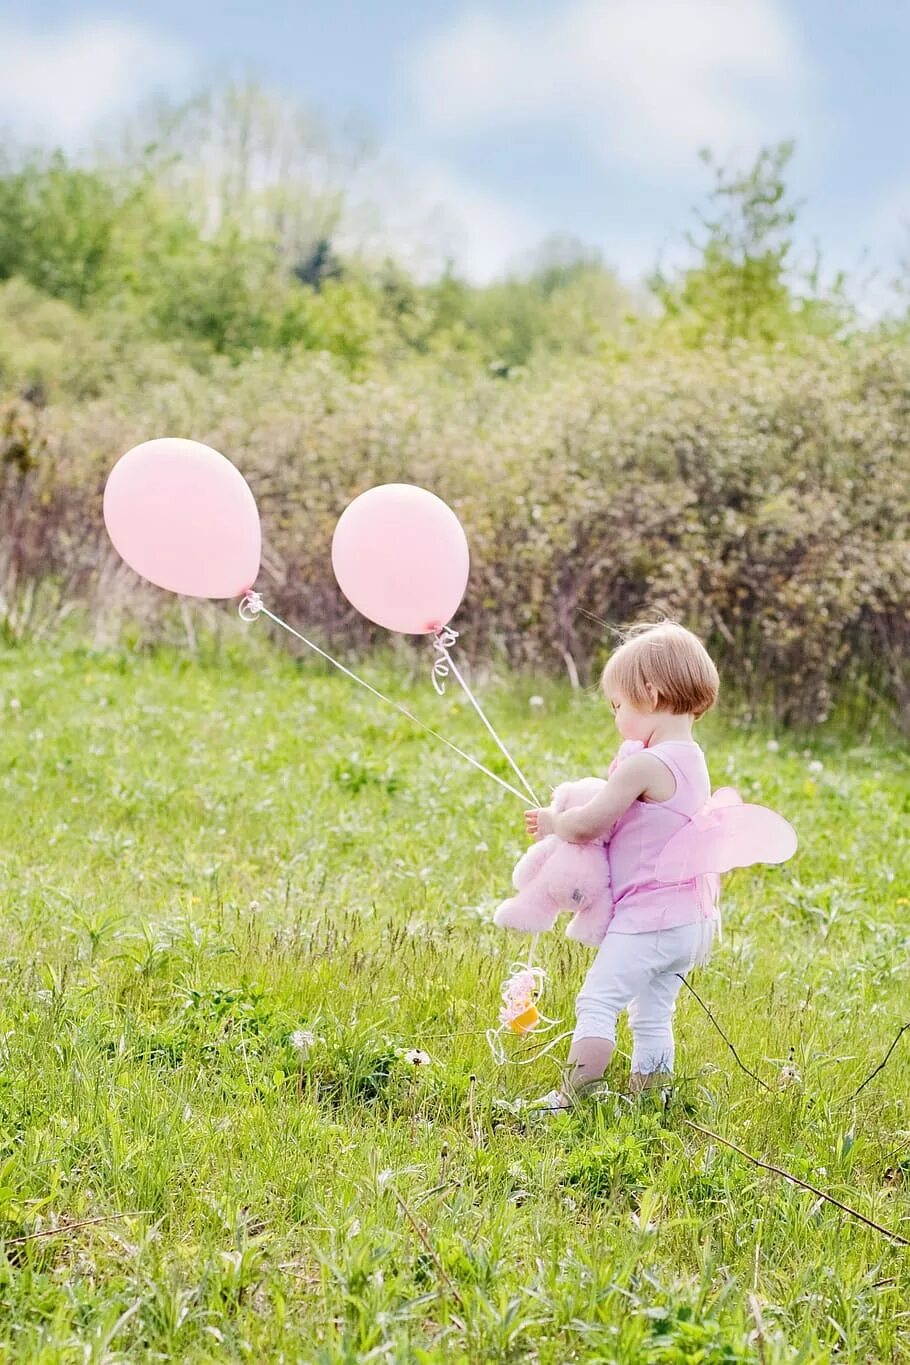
(560, 800)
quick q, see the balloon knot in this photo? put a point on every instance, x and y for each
(250, 606)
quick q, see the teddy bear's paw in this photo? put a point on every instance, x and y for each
(584, 930)
(528, 919)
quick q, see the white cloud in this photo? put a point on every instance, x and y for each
(644, 81)
(426, 214)
(63, 84)
(483, 232)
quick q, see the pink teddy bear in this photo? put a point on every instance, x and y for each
(554, 875)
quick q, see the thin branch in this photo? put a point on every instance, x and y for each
(475, 1136)
(71, 1227)
(447, 1037)
(739, 1062)
(882, 1064)
(804, 1184)
(422, 1234)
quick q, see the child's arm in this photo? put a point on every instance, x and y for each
(640, 775)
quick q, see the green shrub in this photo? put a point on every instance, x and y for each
(761, 497)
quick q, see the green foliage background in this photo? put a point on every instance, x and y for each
(731, 449)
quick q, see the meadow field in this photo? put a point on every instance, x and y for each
(249, 1110)
(239, 898)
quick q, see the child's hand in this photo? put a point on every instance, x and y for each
(539, 823)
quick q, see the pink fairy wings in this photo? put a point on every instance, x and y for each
(727, 833)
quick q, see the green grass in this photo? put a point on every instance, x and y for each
(199, 859)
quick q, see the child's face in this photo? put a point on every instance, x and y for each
(632, 722)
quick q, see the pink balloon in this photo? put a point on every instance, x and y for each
(401, 558)
(183, 517)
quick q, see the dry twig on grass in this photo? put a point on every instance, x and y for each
(804, 1184)
(72, 1227)
(882, 1064)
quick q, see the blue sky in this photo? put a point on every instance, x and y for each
(520, 118)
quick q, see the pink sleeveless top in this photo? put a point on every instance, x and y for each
(643, 905)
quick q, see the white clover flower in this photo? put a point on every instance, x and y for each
(772, 746)
(816, 766)
(536, 701)
(301, 1041)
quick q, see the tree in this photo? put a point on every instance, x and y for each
(319, 265)
(740, 286)
(57, 228)
(240, 156)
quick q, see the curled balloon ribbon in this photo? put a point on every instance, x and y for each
(520, 1014)
(443, 641)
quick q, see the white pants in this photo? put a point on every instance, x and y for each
(644, 973)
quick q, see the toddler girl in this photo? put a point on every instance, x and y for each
(659, 683)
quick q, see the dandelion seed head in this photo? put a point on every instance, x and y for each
(301, 1041)
(416, 1057)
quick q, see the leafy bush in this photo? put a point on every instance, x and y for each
(761, 497)
(740, 463)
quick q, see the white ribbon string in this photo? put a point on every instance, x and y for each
(444, 665)
(252, 607)
(498, 1052)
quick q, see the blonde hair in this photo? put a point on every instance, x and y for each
(670, 659)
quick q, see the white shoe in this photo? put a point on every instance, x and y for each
(554, 1102)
